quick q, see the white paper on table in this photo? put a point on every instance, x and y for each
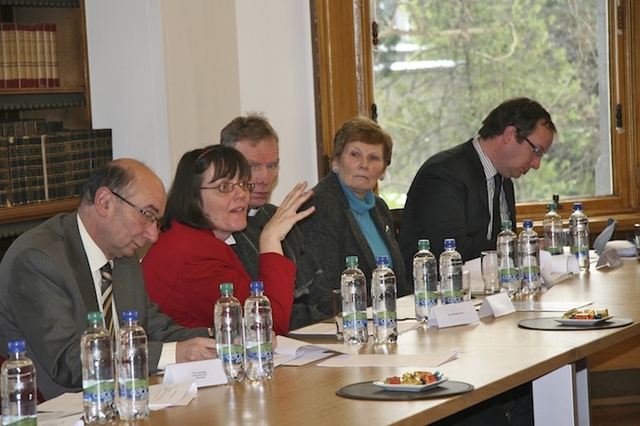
(295, 352)
(68, 403)
(329, 329)
(167, 395)
(59, 419)
(452, 315)
(531, 306)
(426, 360)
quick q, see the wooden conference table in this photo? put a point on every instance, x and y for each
(495, 355)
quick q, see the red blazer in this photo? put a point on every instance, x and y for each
(183, 271)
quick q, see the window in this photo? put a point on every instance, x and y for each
(450, 63)
(440, 67)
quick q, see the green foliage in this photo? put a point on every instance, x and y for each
(489, 51)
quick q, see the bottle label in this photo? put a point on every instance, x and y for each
(581, 251)
(262, 352)
(137, 389)
(530, 273)
(509, 275)
(97, 391)
(428, 299)
(355, 321)
(452, 296)
(233, 354)
(553, 249)
(386, 319)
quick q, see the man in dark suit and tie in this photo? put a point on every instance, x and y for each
(50, 278)
(464, 193)
(452, 195)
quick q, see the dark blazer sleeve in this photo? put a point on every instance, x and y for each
(448, 199)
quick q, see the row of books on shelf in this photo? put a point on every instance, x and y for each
(29, 55)
(52, 166)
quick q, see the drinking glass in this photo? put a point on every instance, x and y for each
(489, 267)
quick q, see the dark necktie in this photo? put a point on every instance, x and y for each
(497, 222)
(107, 297)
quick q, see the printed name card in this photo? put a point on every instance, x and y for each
(452, 314)
(496, 305)
(209, 372)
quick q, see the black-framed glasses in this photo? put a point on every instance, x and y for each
(536, 151)
(226, 187)
(149, 216)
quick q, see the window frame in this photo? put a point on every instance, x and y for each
(343, 75)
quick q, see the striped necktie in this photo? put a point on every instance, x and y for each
(107, 298)
(496, 220)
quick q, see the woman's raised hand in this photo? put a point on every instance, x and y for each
(285, 217)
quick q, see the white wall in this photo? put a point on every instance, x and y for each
(167, 75)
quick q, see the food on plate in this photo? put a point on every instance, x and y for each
(414, 378)
(586, 314)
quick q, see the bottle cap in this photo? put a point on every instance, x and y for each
(577, 206)
(94, 317)
(226, 288)
(351, 260)
(527, 223)
(256, 286)
(130, 315)
(424, 244)
(506, 224)
(551, 206)
(16, 346)
(382, 260)
(449, 243)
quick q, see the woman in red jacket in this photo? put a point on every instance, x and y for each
(207, 202)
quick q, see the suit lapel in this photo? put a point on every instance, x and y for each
(80, 263)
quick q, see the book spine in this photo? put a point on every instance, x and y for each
(41, 64)
(53, 42)
(12, 78)
(5, 174)
(3, 57)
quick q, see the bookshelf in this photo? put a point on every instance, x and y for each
(69, 103)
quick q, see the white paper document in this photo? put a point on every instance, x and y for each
(329, 328)
(530, 306)
(295, 352)
(59, 419)
(426, 360)
(167, 395)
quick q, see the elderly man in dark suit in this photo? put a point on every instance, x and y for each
(452, 195)
(254, 137)
(50, 278)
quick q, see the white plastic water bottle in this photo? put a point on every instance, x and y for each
(508, 269)
(425, 280)
(18, 387)
(227, 322)
(529, 251)
(383, 298)
(579, 234)
(96, 354)
(258, 323)
(451, 273)
(552, 230)
(354, 303)
(132, 355)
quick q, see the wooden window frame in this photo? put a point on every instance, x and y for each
(343, 75)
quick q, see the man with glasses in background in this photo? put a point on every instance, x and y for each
(75, 263)
(254, 137)
(466, 191)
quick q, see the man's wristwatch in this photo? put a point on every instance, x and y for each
(211, 333)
